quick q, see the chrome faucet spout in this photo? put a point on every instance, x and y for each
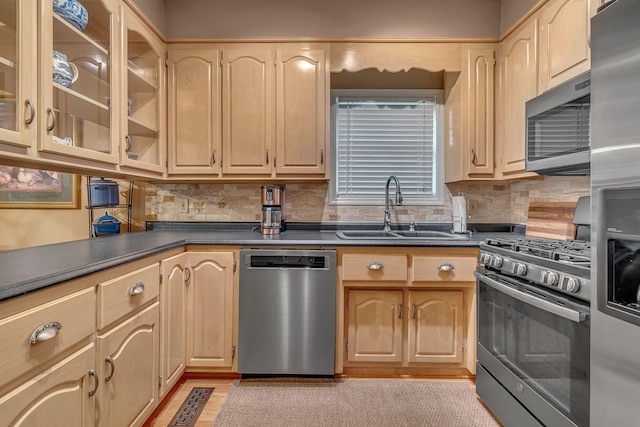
(398, 201)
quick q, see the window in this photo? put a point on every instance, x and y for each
(377, 133)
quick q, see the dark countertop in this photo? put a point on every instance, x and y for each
(27, 270)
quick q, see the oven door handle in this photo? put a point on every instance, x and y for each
(567, 313)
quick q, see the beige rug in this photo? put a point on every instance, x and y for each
(352, 403)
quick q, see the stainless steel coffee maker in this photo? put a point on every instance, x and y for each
(272, 209)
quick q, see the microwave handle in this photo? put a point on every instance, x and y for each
(567, 313)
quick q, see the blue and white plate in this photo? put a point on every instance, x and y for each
(72, 12)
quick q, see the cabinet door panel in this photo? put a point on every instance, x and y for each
(18, 73)
(58, 397)
(479, 98)
(564, 49)
(194, 111)
(210, 296)
(375, 326)
(518, 84)
(248, 108)
(143, 104)
(301, 111)
(75, 115)
(131, 393)
(173, 318)
(436, 326)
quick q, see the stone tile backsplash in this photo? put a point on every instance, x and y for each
(496, 202)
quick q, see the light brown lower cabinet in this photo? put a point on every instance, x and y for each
(434, 326)
(407, 311)
(128, 370)
(173, 320)
(210, 310)
(57, 397)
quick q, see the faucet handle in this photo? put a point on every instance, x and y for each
(412, 226)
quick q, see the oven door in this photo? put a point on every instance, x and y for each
(535, 344)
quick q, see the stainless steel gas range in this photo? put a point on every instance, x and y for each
(533, 330)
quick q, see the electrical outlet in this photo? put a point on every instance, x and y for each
(473, 207)
(183, 205)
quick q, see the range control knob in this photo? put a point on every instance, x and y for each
(569, 284)
(484, 258)
(549, 278)
(496, 262)
(519, 269)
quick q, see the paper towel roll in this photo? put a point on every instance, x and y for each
(459, 214)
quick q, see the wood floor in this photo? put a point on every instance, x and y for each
(211, 409)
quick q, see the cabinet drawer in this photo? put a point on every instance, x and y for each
(125, 294)
(444, 268)
(53, 328)
(374, 267)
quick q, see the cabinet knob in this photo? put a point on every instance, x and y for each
(376, 266)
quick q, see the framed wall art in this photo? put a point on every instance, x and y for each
(22, 188)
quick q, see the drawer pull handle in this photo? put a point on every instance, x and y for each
(109, 360)
(93, 374)
(45, 332)
(136, 289)
(32, 112)
(52, 115)
(376, 266)
(446, 267)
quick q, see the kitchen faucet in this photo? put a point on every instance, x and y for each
(387, 215)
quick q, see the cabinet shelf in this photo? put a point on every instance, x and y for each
(137, 128)
(138, 82)
(66, 33)
(81, 106)
(4, 62)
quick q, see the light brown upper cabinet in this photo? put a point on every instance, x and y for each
(301, 113)
(274, 107)
(248, 100)
(517, 83)
(74, 116)
(142, 109)
(564, 34)
(477, 114)
(18, 87)
(194, 110)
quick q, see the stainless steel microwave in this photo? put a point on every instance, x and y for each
(558, 140)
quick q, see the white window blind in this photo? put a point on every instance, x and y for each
(377, 136)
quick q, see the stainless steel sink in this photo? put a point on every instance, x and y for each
(366, 234)
(400, 234)
(429, 234)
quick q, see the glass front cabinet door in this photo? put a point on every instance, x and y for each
(77, 80)
(143, 97)
(17, 74)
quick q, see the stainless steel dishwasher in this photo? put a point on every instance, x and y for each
(287, 312)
